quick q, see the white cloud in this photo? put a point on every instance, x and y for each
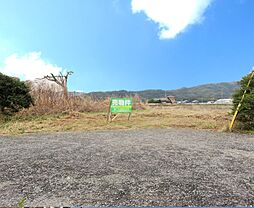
(29, 66)
(173, 16)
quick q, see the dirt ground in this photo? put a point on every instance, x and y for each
(156, 167)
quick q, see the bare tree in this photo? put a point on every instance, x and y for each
(61, 80)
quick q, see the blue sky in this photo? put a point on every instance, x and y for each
(128, 44)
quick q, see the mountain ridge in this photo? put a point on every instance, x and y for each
(204, 92)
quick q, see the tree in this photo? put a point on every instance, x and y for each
(14, 94)
(245, 116)
(61, 80)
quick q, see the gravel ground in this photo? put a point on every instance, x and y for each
(160, 167)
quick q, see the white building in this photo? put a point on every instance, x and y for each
(224, 102)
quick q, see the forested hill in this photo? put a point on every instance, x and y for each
(201, 92)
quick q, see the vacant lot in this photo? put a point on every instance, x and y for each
(213, 117)
(159, 167)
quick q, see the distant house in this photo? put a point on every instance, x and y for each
(224, 102)
(166, 100)
(195, 102)
(183, 102)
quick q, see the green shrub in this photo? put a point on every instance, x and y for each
(14, 94)
(245, 117)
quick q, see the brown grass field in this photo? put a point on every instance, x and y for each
(209, 117)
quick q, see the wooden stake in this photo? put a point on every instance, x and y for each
(109, 117)
(109, 113)
(114, 117)
(129, 116)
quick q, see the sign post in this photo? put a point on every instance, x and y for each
(119, 105)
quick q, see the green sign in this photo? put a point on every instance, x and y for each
(121, 105)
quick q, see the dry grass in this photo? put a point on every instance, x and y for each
(48, 101)
(212, 117)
